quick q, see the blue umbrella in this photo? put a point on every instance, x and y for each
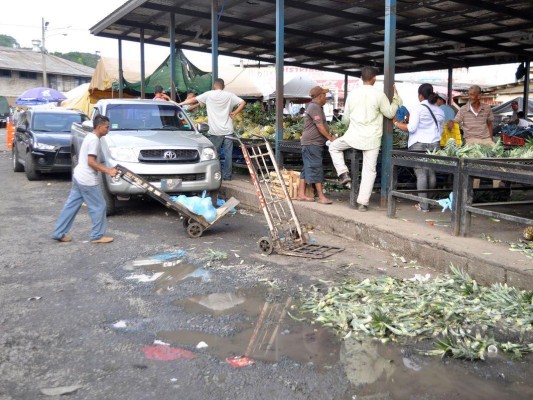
(40, 95)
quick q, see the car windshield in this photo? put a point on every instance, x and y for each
(148, 117)
(57, 123)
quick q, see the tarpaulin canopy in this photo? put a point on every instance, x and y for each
(506, 107)
(188, 77)
(297, 88)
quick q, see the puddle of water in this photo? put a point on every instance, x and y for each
(169, 270)
(270, 337)
(374, 368)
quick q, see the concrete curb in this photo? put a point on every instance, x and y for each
(375, 229)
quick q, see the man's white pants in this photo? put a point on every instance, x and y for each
(368, 175)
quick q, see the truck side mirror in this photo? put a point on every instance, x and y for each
(87, 125)
(202, 127)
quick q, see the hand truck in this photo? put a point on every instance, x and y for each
(287, 235)
(194, 224)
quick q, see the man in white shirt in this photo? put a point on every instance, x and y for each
(363, 114)
(220, 105)
(85, 188)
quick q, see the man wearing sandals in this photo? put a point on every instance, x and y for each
(313, 139)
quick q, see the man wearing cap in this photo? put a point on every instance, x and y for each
(336, 116)
(449, 112)
(514, 116)
(475, 118)
(363, 113)
(313, 139)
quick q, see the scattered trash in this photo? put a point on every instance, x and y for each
(120, 324)
(160, 343)
(236, 255)
(244, 212)
(34, 298)
(60, 390)
(420, 278)
(202, 345)
(167, 353)
(240, 361)
(494, 219)
(145, 278)
(411, 364)
(215, 255)
(167, 256)
(173, 379)
(446, 204)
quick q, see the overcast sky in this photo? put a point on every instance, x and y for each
(23, 21)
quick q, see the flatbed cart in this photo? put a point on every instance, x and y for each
(287, 235)
(194, 224)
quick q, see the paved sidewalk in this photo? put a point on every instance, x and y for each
(424, 237)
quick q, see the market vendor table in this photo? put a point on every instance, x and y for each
(449, 165)
(508, 170)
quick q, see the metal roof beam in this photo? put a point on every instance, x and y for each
(524, 13)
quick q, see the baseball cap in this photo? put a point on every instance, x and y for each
(442, 96)
(316, 91)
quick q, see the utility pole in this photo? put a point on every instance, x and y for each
(43, 53)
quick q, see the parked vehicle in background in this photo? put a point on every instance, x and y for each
(42, 141)
(4, 111)
(156, 140)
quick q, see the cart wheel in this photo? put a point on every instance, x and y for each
(195, 230)
(265, 245)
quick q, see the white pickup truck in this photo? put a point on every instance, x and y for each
(156, 140)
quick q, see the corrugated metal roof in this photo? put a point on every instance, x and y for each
(31, 61)
(339, 35)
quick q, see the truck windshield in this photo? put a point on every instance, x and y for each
(148, 117)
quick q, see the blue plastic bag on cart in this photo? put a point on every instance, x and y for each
(199, 205)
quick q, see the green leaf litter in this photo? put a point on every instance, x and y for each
(460, 316)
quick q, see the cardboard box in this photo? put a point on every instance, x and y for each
(291, 179)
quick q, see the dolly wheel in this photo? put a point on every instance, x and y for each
(195, 230)
(265, 246)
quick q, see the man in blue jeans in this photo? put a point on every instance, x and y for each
(85, 188)
(220, 111)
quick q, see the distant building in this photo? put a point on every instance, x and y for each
(21, 70)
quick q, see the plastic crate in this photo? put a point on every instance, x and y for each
(454, 133)
(513, 140)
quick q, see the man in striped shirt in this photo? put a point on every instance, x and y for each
(475, 118)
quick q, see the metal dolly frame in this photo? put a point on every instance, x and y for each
(517, 170)
(194, 224)
(287, 235)
(450, 165)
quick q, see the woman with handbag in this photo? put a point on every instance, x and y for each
(425, 127)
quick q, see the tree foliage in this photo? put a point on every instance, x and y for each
(87, 59)
(9, 41)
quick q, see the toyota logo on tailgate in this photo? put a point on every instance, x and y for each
(169, 155)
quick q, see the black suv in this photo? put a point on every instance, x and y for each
(42, 141)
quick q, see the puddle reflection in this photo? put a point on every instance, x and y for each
(272, 336)
(378, 369)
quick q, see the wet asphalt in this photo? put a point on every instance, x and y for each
(88, 316)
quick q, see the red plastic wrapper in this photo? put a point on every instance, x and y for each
(240, 361)
(167, 353)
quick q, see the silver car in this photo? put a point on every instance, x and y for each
(156, 140)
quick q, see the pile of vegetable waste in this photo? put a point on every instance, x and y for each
(464, 319)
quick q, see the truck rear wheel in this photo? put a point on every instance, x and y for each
(108, 197)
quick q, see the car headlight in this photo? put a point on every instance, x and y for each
(208, 153)
(123, 154)
(43, 146)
